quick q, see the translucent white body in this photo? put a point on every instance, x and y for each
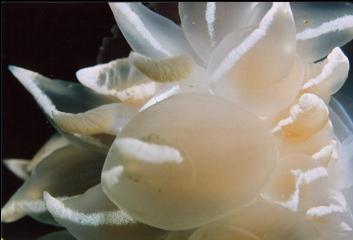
(195, 158)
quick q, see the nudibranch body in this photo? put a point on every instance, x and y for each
(222, 128)
(176, 159)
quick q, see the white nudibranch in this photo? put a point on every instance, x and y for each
(223, 127)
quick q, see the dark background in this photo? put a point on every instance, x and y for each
(54, 39)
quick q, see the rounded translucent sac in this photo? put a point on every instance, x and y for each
(205, 24)
(187, 160)
(250, 57)
(247, 68)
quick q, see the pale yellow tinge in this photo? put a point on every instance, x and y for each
(107, 119)
(306, 117)
(162, 70)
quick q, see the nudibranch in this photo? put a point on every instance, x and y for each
(223, 127)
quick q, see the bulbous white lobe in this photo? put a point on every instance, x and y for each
(57, 95)
(306, 118)
(206, 24)
(255, 73)
(193, 163)
(109, 119)
(149, 33)
(66, 171)
(257, 47)
(92, 216)
(333, 74)
(119, 79)
(183, 161)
